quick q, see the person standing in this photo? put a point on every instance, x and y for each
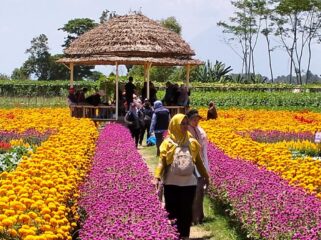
(132, 119)
(199, 134)
(179, 154)
(130, 90)
(148, 114)
(168, 98)
(160, 121)
(211, 112)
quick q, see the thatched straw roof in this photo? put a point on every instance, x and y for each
(110, 60)
(134, 35)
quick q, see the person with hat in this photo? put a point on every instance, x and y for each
(199, 134)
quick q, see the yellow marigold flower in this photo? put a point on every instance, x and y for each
(12, 232)
(9, 212)
(45, 211)
(24, 218)
(33, 215)
(7, 222)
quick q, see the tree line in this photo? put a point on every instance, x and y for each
(294, 25)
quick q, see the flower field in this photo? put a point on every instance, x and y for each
(118, 197)
(38, 199)
(274, 193)
(58, 179)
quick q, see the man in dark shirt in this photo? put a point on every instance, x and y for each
(130, 90)
(160, 122)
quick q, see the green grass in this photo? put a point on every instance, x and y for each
(219, 223)
(32, 102)
(149, 154)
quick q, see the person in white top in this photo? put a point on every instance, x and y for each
(200, 135)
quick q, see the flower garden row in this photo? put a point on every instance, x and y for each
(273, 194)
(119, 198)
(236, 133)
(38, 200)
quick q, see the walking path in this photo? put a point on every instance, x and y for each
(216, 225)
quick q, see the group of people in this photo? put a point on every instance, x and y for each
(142, 117)
(182, 171)
(176, 95)
(79, 97)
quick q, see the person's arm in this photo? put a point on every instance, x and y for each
(126, 119)
(152, 125)
(201, 169)
(160, 167)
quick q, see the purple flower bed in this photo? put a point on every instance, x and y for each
(277, 136)
(30, 136)
(118, 197)
(266, 205)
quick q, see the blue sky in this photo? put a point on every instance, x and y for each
(22, 20)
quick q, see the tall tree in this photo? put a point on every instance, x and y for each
(38, 62)
(172, 24)
(244, 28)
(74, 28)
(297, 24)
(4, 76)
(20, 74)
(266, 13)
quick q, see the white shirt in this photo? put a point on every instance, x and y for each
(200, 135)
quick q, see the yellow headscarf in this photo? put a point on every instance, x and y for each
(167, 149)
(175, 132)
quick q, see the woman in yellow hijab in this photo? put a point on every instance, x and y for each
(179, 189)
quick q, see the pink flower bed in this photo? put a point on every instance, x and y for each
(118, 196)
(266, 205)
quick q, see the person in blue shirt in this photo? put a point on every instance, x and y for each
(160, 122)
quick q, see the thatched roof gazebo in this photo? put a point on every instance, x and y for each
(130, 39)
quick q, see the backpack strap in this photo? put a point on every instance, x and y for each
(172, 142)
(175, 144)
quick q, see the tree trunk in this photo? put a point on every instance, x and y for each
(270, 57)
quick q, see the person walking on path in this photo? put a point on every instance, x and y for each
(130, 90)
(199, 134)
(179, 154)
(132, 119)
(159, 125)
(148, 114)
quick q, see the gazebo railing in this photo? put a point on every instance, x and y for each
(108, 113)
(94, 112)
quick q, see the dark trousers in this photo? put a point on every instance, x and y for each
(178, 203)
(198, 213)
(142, 132)
(159, 139)
(135, 134)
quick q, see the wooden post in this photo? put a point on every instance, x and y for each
(117, 97)
(145, 78)
(188, 69)
(71, 75)
(148, 71)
